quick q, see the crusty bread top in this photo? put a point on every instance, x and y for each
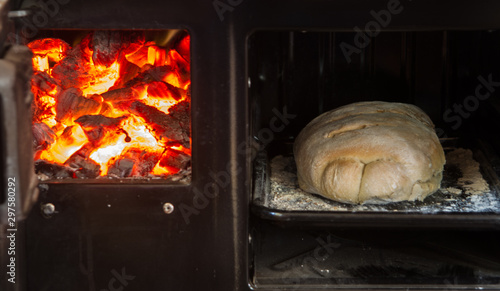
(365, 143)
(371, 107)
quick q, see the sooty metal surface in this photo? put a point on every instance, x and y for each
(374, 259)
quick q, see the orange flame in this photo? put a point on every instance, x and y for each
(112, 104)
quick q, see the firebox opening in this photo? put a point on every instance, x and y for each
(112, 104)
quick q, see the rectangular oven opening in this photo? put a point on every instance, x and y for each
(454, 77)
(111, 104)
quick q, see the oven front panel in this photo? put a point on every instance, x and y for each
(99, 236)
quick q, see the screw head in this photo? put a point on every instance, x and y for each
(168, 208)
(48, 209)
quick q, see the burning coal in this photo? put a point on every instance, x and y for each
(113, 105)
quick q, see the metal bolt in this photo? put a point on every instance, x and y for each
(168, 208)
(48, 209)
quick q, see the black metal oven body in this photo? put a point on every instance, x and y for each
(108, 236)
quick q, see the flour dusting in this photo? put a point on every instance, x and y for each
(463, 189)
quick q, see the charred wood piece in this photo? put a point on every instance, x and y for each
(181, 112)
(43, 83)
(43, 136)
(134, 163)
(55, 49)
(72, 71)
(70, 104)
(166, 129)
(97, 127)
(150, 75)
(123, 94)
(132, 41)
(122, 168)
(82, 166)
(183, 47)
(52, 171)
(128, 71)
(165, 90)
(182, 68)
(175, 159)
(106, 47)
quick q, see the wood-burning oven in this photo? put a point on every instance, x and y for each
(259, 71)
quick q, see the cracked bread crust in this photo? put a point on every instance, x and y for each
(370, 152)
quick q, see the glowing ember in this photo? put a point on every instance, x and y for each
(114, 105)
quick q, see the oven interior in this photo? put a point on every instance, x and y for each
(307, 73)
(311, 72)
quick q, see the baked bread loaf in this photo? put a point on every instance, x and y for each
(370, 152)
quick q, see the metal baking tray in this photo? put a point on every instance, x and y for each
(277, 198)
